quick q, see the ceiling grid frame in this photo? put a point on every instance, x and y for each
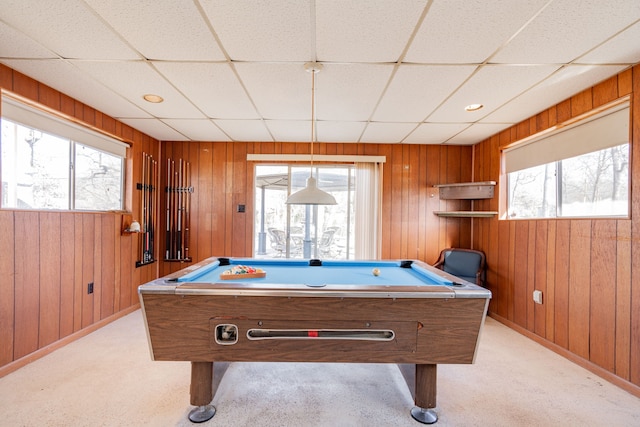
(258, 41)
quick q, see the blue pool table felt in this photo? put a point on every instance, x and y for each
(330, 273)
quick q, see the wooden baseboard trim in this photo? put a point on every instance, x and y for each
(38, 354)
(589, 366)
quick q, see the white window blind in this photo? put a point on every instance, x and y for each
(34, 118)
(608, 129)
(368, 210)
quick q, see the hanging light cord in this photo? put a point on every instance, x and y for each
(313, 113)
(314, 67)
(311, 194)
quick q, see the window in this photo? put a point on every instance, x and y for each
(304, 231)
(348, 230)
(48, 163)
(98, 179)
(580, 171)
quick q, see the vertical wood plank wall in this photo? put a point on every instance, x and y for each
(223, 179)
(48, 258)
(51, 256)
(587, 269)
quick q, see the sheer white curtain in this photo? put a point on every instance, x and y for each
(368, 201)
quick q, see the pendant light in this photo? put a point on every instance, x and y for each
(311, 194)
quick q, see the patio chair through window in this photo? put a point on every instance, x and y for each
(326, 241)
(278, 240)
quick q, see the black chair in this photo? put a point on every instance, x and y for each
(467, 264)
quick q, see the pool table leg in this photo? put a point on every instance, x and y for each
(425, 399)
(202, 392)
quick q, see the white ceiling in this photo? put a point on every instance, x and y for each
(395, 71)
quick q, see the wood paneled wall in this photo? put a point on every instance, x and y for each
(223, 178)
(48, 258)
(587, 269)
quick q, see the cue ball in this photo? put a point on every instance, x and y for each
(376, 272)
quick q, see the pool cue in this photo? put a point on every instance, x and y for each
(143, 227)
(187, 225)
(152, 205)
(179, 211)
(174, 215)
(157, 195)
(170, 241)
(146, 207)
(174, 210)
(182, 200)
(173, 207)
(167, 242)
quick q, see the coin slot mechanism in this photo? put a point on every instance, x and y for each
(226, 334)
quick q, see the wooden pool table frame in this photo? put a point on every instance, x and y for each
(433, 324)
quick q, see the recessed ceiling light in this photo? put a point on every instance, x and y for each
(156, 99)
(473, 107)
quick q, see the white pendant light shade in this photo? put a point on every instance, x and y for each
(311, 195)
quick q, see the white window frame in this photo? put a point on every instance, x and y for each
(368, 194)
(30, 114)
(605, 128)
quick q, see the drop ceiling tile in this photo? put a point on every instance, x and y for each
(561, 85)
(365, 30)
(491, 86)
(17, 45)
(416, 90)
(279, 91)
(275, 30)
(174, 31)
(197, 129)
(434, 133)
(275, 95)
(624, 48)
(213, 87)
(468, 31)
(566, 29)
(476, 133)
(386, 132)
(66, 78)
(155, 129)
(68, 28)
(339, 131)
(133, 79)
(245, 130)
(350, 92)
(290, 130)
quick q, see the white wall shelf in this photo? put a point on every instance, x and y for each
(466, 191)
(466, 214)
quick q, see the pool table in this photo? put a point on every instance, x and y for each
(389, 311)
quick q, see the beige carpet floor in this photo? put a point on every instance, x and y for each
(108, 379)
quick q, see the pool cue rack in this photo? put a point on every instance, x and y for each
(178, 199)
(148, 209)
